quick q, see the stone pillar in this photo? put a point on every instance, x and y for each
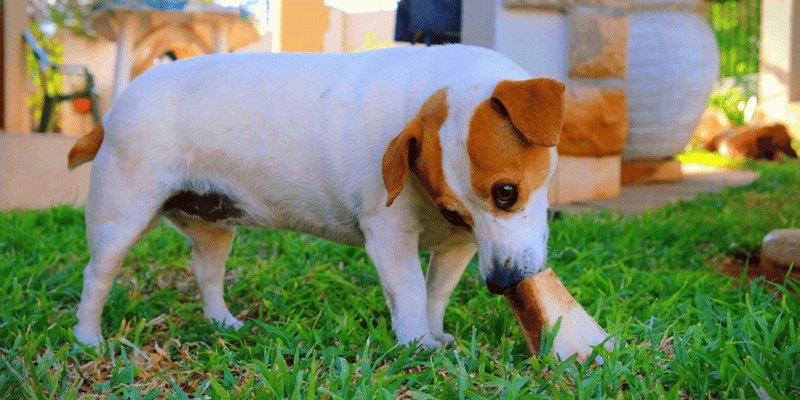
(596, 121)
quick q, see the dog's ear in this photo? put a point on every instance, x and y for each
(416, 147)
(535, 107)
(400, 154)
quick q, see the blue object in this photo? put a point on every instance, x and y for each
(428, 21)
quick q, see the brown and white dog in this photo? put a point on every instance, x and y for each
(768, 142)
(448, 149)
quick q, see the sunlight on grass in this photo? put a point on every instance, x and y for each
(708, 158)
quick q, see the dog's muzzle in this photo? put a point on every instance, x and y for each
(508, 258)
(509, 269)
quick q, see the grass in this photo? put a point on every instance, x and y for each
(318, 327)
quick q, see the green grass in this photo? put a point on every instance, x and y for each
(318, 327)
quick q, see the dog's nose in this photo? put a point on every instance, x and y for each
(502, 279)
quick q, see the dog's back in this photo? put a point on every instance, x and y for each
(267, 121)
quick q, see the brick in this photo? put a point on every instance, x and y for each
(598, 46)
(595, 122)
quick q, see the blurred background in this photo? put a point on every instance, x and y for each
(646, 80)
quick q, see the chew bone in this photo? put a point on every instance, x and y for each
(541, 299)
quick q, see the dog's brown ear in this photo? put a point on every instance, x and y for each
(535, 107)
(399, 156)
(416, 147)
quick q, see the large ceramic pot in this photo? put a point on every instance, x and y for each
(673, 62)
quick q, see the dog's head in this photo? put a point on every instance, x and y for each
(485, 155)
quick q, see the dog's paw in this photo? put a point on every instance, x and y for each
(443, 338)
(89, 339)
(227, 321)
(235, 324)
(425, 342)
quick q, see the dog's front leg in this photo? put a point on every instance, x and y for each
(394, 251)
(444, 271)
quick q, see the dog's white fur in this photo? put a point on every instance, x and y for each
(297, 140)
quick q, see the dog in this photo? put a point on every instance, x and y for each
(768, 142)
(448, 149)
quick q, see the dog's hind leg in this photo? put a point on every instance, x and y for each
(444, 271)
(211, 245)
(116, 218)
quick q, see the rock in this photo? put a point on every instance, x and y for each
(782, 247)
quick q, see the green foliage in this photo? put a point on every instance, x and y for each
(317, 325)
(50, 78)
(736, 24)
(731, 102)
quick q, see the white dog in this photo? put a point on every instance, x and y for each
(448, 149)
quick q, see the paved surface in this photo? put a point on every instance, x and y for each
(637, 198)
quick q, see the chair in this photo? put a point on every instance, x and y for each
(51, 99)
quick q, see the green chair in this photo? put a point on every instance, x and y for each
(51, 99)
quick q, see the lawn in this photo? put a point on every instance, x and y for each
(317, 325)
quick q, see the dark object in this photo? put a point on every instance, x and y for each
(51, 99)
(504, 195)
(554, 215)
(428, 21)
(211, 207)
(503, 278)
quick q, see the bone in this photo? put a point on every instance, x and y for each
(541, 299)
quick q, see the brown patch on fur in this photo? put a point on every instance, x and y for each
(499, 150)
(86, 147)
(535, 107)
(768, 142)
(417, 148)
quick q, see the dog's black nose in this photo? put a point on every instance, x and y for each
(501, 280)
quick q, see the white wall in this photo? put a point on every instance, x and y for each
(535, 39)
(776, 64)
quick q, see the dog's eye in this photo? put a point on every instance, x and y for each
(454, 218)
(504, 195)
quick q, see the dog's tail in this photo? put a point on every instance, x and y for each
(86, 147)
